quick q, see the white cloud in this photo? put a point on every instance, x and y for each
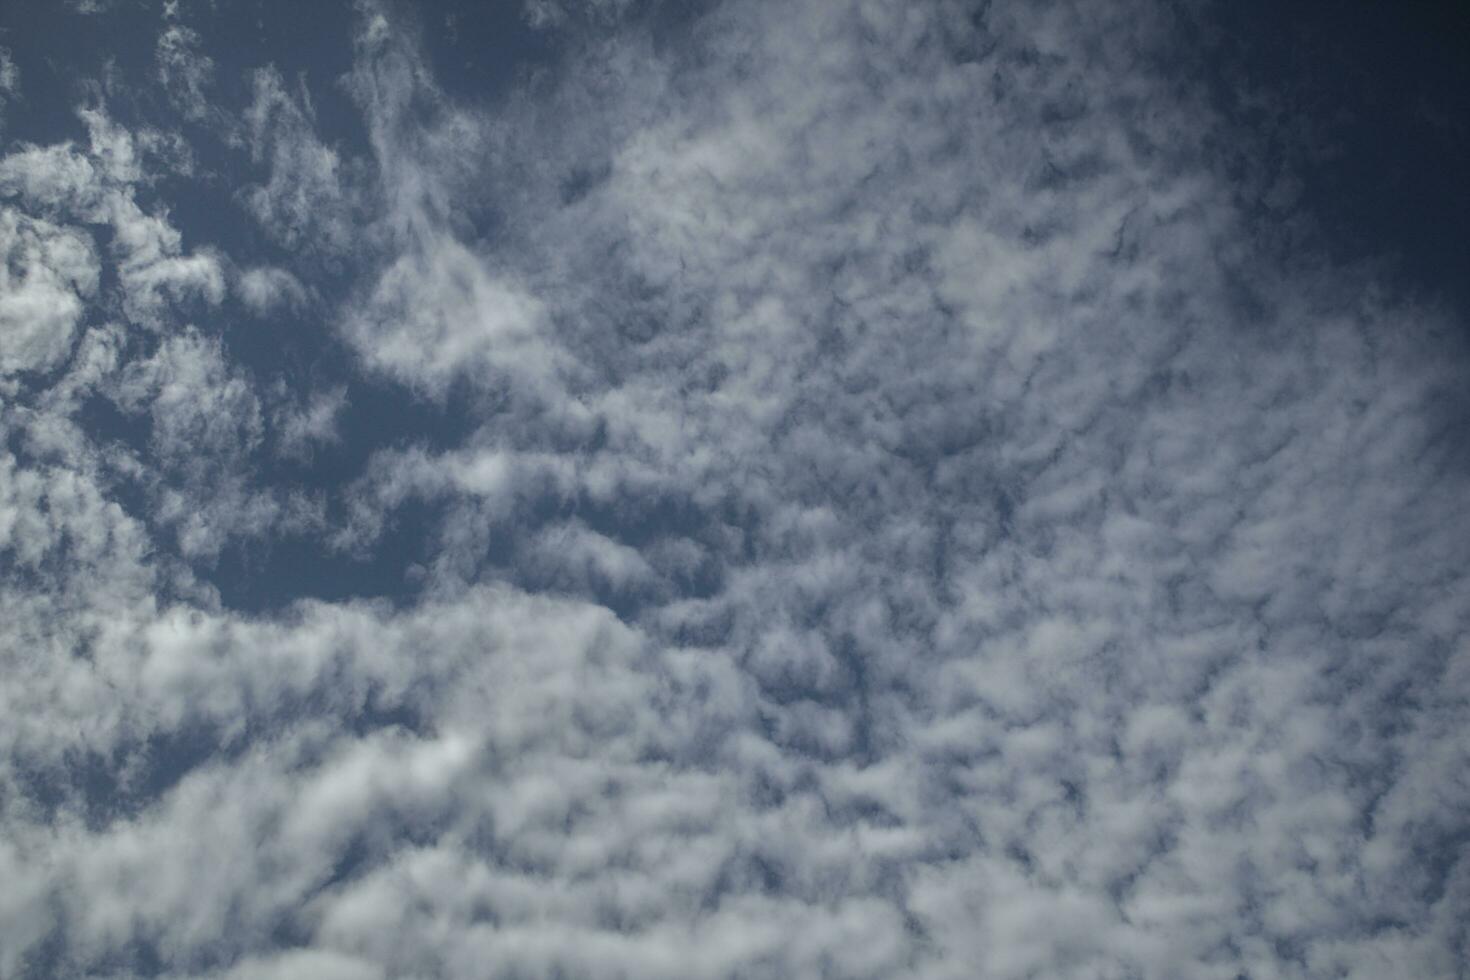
(901, 349)
(206, 426)
(553, 13)
(96, 187)
(304, 203)
(300, 428)
(46, 274)
(1019, 569)
(9, 73)
(184, 71)
(438, 310)
(265, 289)
(9, 82)
(153, 268)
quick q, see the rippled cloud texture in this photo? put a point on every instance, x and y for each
(771, 490)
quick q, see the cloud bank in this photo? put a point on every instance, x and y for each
(867, 500)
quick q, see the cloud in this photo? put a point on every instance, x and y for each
(881, 512)
(438, 309)
(184, 71)
(206, 430)
(302, 428)
(9, 73)
(304, 203)
(46, 275)
(9, 81)
(98, 186)
(945, 378)
(550, 13)
(265, 289)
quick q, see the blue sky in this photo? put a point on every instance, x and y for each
(738, 489)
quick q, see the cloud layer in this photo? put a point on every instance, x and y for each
(866, 499)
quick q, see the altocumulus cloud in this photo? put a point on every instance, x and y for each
(817, 489)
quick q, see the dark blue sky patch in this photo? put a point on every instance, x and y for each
(1356, 114)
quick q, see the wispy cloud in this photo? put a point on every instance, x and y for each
(47, 274)
(184, 71)
(98, 186)
(303, 203)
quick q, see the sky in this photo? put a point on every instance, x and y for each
(734, 489)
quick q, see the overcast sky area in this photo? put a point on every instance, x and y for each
(738, 489)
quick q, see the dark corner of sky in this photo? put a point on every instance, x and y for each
(1361, 113)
